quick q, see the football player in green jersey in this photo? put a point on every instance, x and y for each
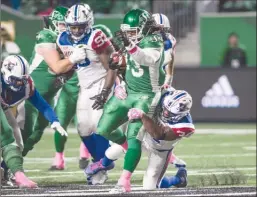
(31, 122)
(66, 109)
(144, 77)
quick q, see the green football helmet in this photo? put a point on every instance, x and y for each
(56, 19)
(104, 29)
(134, 24)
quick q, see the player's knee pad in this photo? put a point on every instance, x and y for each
(85, 129)
(114, 152)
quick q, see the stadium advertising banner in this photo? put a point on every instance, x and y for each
(220, 94)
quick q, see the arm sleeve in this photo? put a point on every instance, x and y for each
(39, 102)
(146, 57)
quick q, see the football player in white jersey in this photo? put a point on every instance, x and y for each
(169, 45)
(88, 50)
(170, 123)
(17, 86)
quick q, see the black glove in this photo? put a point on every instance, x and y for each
(63, 78)
(114, 62)
(122, 36)
(100, 99)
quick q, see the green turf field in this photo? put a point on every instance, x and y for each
(212, 159)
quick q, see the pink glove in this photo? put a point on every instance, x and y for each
(165, 86)
(135, 113)
(120, 92)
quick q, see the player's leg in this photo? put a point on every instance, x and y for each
(146, 103)
(157, 164)
(39, 124)
(177, 162)
(65, 110)
(115, 151)
(87, 120)
(16, 129)
(180, 179)
(27, 116)
(11, 154)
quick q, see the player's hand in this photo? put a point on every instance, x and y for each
(135, 113)
(165, 86)
(122, 36)
(79, 54)
(120, 92)
(57, 127)
(115, 61)
(100, 99)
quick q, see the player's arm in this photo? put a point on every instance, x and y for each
(146, 57)
(161, 132)
(52, 58)
(169, 71)
(104, 57)
(104, 49)
(42, 106)
(169, 47)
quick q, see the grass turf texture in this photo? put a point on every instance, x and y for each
(212, 159)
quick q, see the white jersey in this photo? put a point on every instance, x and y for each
(91, 69)
(183, 128)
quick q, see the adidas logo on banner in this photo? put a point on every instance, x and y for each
(220, 95)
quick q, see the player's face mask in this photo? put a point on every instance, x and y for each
(17, 83)
(61, 27)
(77, 31)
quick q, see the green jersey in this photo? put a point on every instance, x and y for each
(145, 79)
(43, 77)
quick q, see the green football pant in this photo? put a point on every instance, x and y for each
(35, 124)
(10, 151)
(65, 110)
(115, 114)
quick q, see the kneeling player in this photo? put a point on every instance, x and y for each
(17, 86)
(169, 124)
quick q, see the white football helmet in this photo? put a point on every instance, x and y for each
(79, 20)
(175, 105)
(161, 19)
(15, 72)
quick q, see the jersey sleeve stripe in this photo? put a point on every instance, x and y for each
(183, 125)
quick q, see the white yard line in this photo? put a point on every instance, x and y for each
(104, 193)
(71, 159)
(224, 131)
(195, 170)
(190, 173)
(250, 148)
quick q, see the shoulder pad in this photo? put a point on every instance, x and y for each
(151, 41)
(46, 36)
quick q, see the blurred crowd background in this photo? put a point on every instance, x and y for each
(213, 34)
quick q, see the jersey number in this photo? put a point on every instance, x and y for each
(139, 72)
(100, 40)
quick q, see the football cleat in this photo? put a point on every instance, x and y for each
(98, 178)
(96, 167)
(56, 168)
(24, 182)
(83, 163)
(182, 175)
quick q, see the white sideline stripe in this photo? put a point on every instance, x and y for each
(135, 173)
(68, 159)
(224, 131)
(134, 193)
